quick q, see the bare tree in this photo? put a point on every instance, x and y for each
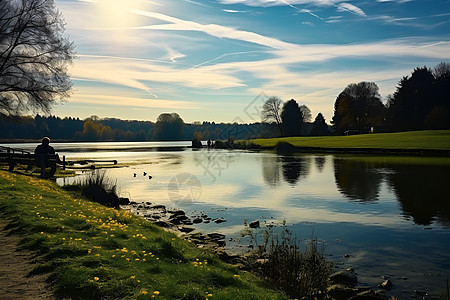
(442, 70)
(34, 56)
(306, 112)
(271, 111)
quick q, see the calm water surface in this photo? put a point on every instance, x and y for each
(390, 214)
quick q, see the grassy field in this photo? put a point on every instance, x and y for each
(415, 140)
(90, 251)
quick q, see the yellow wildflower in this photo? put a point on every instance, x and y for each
(96, 278)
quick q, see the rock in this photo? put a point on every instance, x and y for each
(160, 207)
(254, 224)
(347, 256)
(178, 219)
(339, 292)
(148, 203)
(220, 243)
(221, 220)
(163, 224)
(124, 201)
(368, 295)
(187, 222)
(175, 213)
(420, 293)
(344, 277)
(197, 220)
(215, 236)
(185, 229)
(262, 261)
(387, 285)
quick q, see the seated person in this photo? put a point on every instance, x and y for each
(41, 152)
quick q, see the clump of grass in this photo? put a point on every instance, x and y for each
(299, 272)
(99, 187)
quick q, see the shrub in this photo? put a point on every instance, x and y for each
(298, 273)
(100, 188)
(284, 148)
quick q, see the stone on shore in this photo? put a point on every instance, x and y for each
(344, 277)
(254, 224)
(387, 285)
(338, 291)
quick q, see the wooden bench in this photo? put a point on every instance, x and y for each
(14, 157)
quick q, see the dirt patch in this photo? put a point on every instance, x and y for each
(15, 265)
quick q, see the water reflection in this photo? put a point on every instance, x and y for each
(293, 167)
(422, 190)
(357, 179)
(320, 162)
(271, 170)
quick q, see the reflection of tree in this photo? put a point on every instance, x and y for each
(357, 180)
(320, 162)
(295, 167)
(271, 170)
(423, 192)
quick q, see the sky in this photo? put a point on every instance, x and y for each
(218, 60)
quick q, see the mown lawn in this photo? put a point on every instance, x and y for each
(94, 252)
(414, 140)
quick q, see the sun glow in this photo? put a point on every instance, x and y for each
(117, 13)
(115, 18)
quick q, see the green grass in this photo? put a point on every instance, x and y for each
(91, 251)
(415, 140)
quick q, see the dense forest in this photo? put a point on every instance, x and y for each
(421, 101)
(109, 129)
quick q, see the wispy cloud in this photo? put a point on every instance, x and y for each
(139, 74)
(351, 8)
(268, 3)
(233, 11)
(211, 29)
(107, 97)
(341, 6)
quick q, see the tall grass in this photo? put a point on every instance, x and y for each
(98, 187)
(300, 272)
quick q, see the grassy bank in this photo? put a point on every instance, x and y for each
(415, 140)
(91, 251)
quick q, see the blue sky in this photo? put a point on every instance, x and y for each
(215, 60)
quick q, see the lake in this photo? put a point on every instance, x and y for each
(382, 216)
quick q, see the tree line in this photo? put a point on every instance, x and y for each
(420, 101)
(168, 127)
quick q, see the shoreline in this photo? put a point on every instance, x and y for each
(343, 278)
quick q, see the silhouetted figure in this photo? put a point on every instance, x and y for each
(42, 153)
(209, 143)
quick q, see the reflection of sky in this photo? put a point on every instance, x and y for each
(242, 186)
